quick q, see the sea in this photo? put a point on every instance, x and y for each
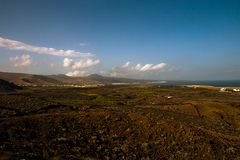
(220, 83)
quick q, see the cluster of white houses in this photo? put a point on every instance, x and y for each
(229, 90)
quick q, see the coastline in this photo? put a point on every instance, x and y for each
(210, 87)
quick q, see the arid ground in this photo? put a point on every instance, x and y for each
(119, 122)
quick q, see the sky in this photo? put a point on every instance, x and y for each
(149, 39)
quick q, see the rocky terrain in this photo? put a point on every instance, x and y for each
(119, 122)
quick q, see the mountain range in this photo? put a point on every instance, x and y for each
(23, 79)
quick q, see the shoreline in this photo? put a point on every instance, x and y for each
(210, 87)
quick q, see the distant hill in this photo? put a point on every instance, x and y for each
(27, 79)
(23, 79)
(30, 79)
(8, 86)
(110, 80)
(73, 80)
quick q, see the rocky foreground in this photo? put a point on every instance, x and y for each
(120, 122)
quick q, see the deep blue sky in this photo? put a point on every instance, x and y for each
(197, 39)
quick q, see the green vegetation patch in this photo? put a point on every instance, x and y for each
(150, 92)
(101, 100)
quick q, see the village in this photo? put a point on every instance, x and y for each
(229, 90)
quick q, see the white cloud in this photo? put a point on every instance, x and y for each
(140, 67)
(67, 62)
(77, 73)
(79, 64)
(149, 67)
(20, 46)
(132, 70)
(159, 66)
(126, 65)
(12, 59)
(22, 61)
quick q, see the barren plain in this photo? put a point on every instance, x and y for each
(119, 122)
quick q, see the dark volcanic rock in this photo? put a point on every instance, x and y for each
(8, 86)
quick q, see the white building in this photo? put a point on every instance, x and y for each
(223, 90)
(236, 90)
